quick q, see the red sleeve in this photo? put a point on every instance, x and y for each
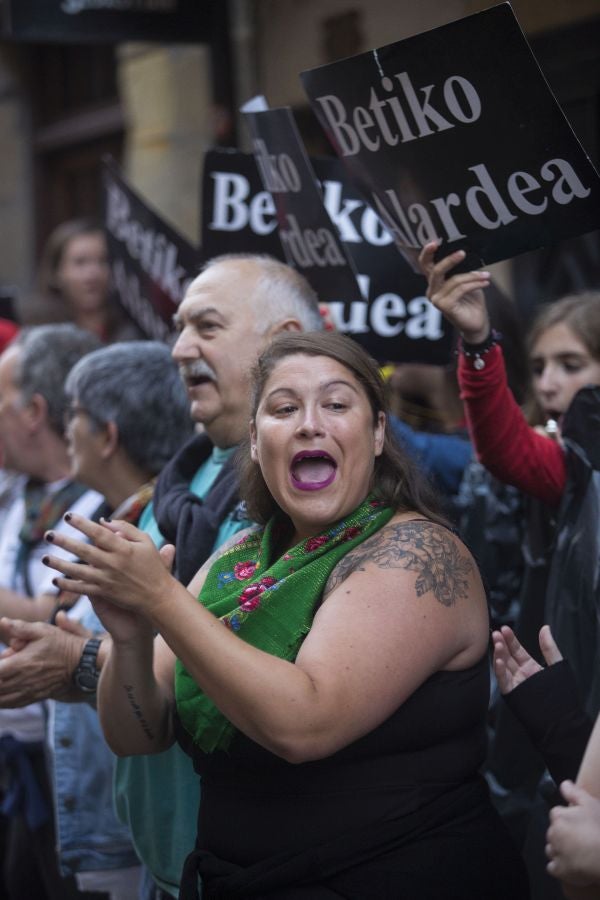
(8, 331)
(504, 443)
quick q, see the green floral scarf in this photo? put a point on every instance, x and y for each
(269, 603)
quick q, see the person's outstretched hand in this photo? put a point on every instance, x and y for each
(460, 297)
(573, 838)
(513, 664)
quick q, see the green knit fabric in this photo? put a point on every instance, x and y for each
(269, 603)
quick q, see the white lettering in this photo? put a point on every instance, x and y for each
(388, 316)
(521, 183)
(569, 179)
(357, 321)
(487, 190)
(336, 116)
(305, 247)
(153, 250)
(278, 172)
(425, 321)
(423, 111)
(383, 309)
(339, 212)
(230, 213)
(371, 124)
(469, 94)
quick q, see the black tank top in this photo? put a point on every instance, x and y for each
(255, 803)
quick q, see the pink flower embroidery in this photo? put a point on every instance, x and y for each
(243, 570)
(249, 599)
(268, 581)
(252, 603)
(314, 543)
(351, 532)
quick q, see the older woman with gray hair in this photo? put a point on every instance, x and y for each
(128, 414)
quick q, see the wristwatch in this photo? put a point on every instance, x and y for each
(86, 675)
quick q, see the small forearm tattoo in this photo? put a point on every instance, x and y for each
(418, 546)
(137, 711)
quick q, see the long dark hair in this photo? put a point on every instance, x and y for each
(396, 479)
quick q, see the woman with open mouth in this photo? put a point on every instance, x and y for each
(328, 671)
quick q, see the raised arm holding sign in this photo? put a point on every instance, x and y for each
(455, 135)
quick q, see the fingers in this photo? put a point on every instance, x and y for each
(572, 793)
(503, 664)
(437, 272)
(81, 587)
(548, 646)
(17, 629)
(121, 528)
(72, 626)
(446, 294)
(167, 554)
(514, 647)
(426, 257)
(104, 536)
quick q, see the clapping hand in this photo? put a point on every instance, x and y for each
(119, 568)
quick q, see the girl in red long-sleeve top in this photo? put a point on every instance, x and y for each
(565, 356)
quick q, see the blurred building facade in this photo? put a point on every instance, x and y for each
(157, 107)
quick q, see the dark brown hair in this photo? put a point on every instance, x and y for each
(54, 249)
(396, 479)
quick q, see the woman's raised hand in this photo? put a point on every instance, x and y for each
(120, 565)
(513, 664)
(459, 297)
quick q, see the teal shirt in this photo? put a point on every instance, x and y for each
(200, 485)
(158, 796)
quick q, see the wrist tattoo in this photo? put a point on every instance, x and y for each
(137, 711)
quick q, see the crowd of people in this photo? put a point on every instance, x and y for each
(246, 620)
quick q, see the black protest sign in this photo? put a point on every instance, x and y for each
(392, 319)
(151, 263)
(455, 134)
(238, 215)
(94, 21)
(310, 242)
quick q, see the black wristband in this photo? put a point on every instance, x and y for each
(476, 352)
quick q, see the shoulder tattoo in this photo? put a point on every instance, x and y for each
(419, 546)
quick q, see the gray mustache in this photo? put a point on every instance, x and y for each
(198, 369)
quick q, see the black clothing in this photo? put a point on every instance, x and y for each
(399, 813)
(549, 707)
(183, 518)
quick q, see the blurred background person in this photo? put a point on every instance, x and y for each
(74, 283)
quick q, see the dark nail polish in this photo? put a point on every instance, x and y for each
(68, 516)
(45, 560)
(55, 582)
(49, 536)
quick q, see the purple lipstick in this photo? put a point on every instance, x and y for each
(312, 470)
